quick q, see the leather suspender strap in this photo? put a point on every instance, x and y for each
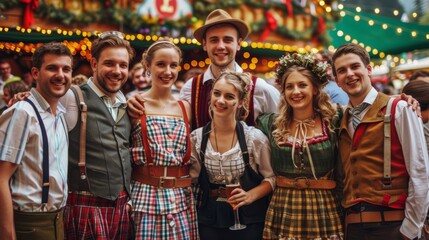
(146, 147)
(188, 134)
(82, 145)
(242, 141)
(390, 111)
(45, 162)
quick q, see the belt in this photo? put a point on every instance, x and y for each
(372, 217)
(163, 182)
(220, 192)
(159, 171)
(304, 183)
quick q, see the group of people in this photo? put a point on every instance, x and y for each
(74, 164)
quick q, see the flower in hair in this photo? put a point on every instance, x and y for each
(307, 61)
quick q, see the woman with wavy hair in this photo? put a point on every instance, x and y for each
(303, 154)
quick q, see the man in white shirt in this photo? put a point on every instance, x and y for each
(33, 152)
(384, 197)
(221, 37)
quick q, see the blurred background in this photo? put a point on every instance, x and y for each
(395, 32)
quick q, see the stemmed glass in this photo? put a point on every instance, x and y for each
(231, 184)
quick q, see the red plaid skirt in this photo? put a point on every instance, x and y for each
(89, 217)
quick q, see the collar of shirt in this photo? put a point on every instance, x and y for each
(208, 75)
(369, 99)
(120, 100)
(44, 104)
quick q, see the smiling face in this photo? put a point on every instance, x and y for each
(224, 99)
(54, 76)
(111, 70)
(353, 77)
(221, 44)
(140, 80)
(164, 67)
(299, 92)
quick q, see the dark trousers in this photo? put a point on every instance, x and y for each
(374, 231)
(39, 225)
(251, 232)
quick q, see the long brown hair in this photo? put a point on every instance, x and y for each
(321, 104)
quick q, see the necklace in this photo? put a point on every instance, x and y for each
(215, 136)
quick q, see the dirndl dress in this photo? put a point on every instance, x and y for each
(302, 213)
(162, 213)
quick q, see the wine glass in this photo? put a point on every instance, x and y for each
(231, 184)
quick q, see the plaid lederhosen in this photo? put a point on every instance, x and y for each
(89, 217)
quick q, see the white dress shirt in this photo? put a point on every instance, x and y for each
(72, 108)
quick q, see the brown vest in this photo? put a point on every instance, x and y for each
(362, 159)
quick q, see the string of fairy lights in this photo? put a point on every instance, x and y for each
(387, 58)
(82, 47)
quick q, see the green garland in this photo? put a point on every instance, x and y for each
(132, 22)
(7, 4)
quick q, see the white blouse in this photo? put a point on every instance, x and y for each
(230, 163)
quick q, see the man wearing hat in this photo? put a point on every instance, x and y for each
(221, 36)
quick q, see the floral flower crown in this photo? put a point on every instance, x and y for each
(316, 66)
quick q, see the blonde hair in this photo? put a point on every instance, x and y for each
(321, 104)
(243, 83)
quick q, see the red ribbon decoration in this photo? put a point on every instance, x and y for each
(321, 27)
(28, 17)
(289, 6)
(271, 25)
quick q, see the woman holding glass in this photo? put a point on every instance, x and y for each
(305, 203)
(220, 151)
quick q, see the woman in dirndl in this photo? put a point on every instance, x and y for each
(162, 198)
(305, 204)
(227, 149)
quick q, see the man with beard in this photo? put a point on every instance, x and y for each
(99, 171)
(221, 36)
(33, 152)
